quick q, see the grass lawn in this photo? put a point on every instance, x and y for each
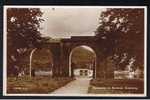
(116, 86)
(35, 85)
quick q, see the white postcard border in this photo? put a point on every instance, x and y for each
(92, 95)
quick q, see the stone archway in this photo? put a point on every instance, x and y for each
(61, 54)
(88, 69)
(67, 46)
(44, 57)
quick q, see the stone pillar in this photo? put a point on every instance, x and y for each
(100, 68)
(55, 68)
(56, 60)
(110, 66)
(66, 66)
(65, 60)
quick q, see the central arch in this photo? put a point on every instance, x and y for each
(93, 62)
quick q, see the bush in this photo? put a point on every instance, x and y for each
(35, 84)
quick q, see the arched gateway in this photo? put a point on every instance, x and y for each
(82, 66)
(61, 51)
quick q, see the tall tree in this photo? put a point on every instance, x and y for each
(22, 32)
(122, 31)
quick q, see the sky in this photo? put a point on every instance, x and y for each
(66, 22)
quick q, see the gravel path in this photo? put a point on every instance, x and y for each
(78, 86)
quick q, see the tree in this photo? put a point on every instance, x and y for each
(22, 32)
(81, 56)
(122, 32)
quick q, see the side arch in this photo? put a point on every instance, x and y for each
(33, 51)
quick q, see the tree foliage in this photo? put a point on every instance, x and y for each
(42, 59)
(22, 32)
(122, 32)
(81, 56)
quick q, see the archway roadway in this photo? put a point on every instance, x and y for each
(78, 86)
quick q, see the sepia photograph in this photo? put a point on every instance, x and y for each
(75, 51)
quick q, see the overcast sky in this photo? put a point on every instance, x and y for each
(66, 22)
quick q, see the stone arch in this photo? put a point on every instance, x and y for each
(95, 58)
(33, 51)
(69, 44)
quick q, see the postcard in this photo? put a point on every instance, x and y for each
(75, 51)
